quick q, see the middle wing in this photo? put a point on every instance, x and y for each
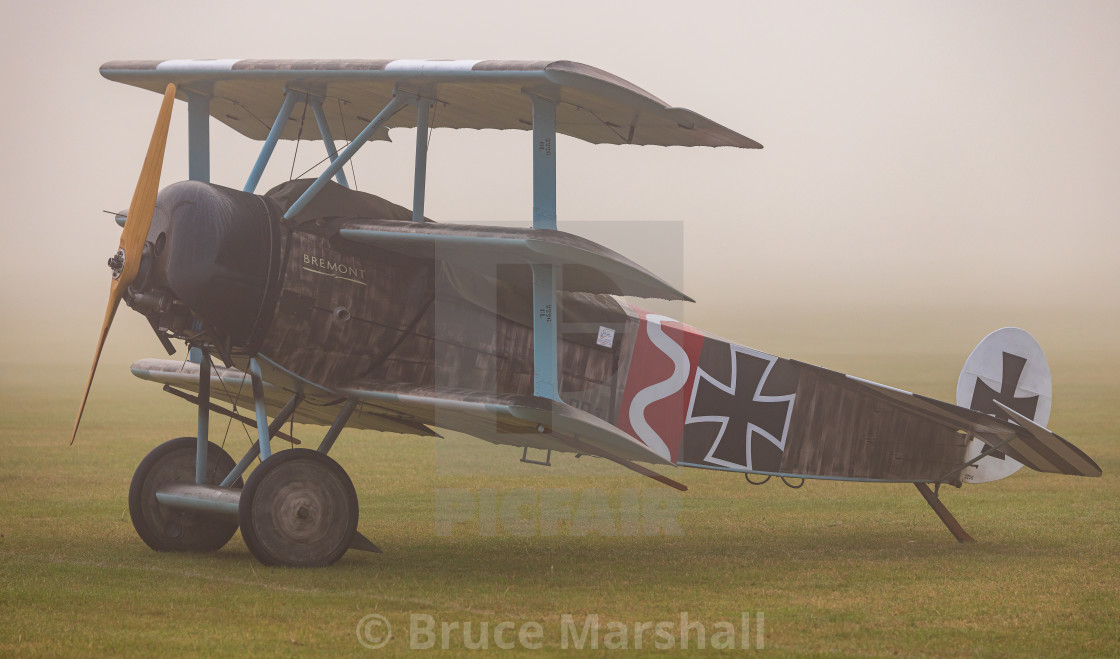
(587, 266)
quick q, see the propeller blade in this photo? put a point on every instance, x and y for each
(114, 300)
(143, 204)
(135, 233)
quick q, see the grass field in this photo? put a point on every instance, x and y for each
(844, 568)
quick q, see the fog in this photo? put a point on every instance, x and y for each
(932, 170)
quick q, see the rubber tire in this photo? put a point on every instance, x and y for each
(298, 509)
(173, 529)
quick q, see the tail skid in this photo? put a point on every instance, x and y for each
(943, 513)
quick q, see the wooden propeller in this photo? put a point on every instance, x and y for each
(126, 264)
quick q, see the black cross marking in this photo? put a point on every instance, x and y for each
(745, 414)
(983, 396)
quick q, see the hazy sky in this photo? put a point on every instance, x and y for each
(960, 157)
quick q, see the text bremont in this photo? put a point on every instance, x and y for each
(328, 267)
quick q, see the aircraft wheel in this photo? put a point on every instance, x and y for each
(298, 509)
(172, 529)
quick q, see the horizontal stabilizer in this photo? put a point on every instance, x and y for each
(1024, 440)
(1042, 450)
(587, 266)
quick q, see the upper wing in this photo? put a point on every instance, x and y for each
(588, 266)
(594, 105)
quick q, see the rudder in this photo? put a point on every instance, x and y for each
(1008, 366)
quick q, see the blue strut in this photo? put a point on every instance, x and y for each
(198, 136)
(255, 449)
(328, 139)
(269, 146)
(421, 173)
(546, 312)
(340, 422)
(203, 445)
(399, 101)
(263, 436)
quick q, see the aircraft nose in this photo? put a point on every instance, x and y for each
(216, 251)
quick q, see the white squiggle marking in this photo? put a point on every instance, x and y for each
(656, 392)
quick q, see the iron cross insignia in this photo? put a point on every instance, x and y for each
(984, 397)
(753, 426)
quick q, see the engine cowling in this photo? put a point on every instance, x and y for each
(211, 264)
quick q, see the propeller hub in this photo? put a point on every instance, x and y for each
(116, 263)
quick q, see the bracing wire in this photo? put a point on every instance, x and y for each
(299, 135)
(346, 138)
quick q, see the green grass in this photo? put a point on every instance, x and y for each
(844, 568)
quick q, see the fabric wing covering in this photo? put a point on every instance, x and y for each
(232, 385)
(593, 105)
(588, 267)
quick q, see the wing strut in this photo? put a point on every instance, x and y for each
(420, 173)
(546, 311)
(943, 513)
(269, 145)
(328, 139)
(198, 136)
(400, 99)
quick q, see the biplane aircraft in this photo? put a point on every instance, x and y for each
(361, 313)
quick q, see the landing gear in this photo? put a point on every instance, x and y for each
(298, 509)
(164, 528)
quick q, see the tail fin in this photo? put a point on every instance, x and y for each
(1007, 367)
